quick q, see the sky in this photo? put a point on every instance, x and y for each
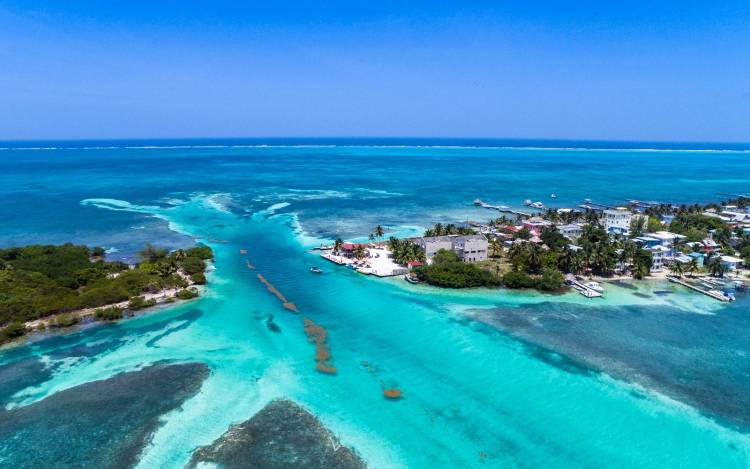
(596, 70)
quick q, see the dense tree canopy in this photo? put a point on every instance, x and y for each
(37, 281)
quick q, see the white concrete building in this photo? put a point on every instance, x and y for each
(617, 220)
(469, 248)
(659, 255)
(572, 231)
(731, 263)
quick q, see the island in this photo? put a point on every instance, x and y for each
(553, 249)
(58, 286)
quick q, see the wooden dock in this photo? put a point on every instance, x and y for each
(713, 294)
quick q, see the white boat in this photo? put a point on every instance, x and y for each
(552, 196)
(537, 205)
(527, 202)
(478, 201)
(594, 286)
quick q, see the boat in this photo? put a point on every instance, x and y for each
(721, 294)
(316, 270)
(411, 279)
(537, 205)
(552, 196)
(739, 285)
(594, 286)
(527, 202)
(478, 201)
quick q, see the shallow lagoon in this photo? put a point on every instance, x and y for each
(489, 377)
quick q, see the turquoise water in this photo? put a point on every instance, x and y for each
(490, 378)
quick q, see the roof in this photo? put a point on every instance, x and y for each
(414, 264)
(664, 235)
(347, 246)
(731, 259)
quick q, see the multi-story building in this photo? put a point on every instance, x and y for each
(469, 248)
(616, 220)
(572, 231)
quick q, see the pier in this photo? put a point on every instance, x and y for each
(595, 206)
(502, 209)
(712, 293)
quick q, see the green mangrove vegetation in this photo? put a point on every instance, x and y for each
(38, 281)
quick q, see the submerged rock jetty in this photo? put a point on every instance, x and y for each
(281, 435)
(318, 335)
(315, 333)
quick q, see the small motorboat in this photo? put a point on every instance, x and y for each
(552, 196)
(316, 270)
(411, 279)
(537, 205)
(594, 286)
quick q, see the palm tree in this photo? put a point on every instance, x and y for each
(379, 232)
(371, 237)
(677, 268)
(179, 255)
(151, 253)
(337, 245)
(692, 266)
(716, 268)
(359, 251)
(535, 257)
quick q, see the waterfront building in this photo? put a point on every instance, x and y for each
(617, 221)
(731, 263)
(683, 259)
(699, 257)
(659, 255)
(469, 248)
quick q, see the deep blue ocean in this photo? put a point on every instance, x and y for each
(650, 376)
